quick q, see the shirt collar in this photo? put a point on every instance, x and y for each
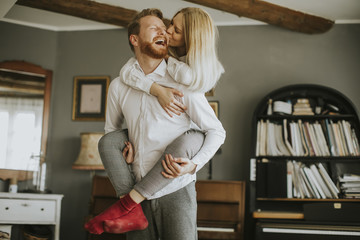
(160, 70)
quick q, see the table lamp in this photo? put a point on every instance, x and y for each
(89, 158)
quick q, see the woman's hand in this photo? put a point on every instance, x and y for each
(128, 152)
(176, 167)
(167, 99)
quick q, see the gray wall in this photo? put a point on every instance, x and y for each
(257, 60)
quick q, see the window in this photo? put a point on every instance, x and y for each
(20, 132)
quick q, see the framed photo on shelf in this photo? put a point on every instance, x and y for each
(215, 107)
(89, 98)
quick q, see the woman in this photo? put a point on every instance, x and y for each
(201, 57)
(192, 40)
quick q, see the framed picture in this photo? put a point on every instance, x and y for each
(89, 99)
(215, 107)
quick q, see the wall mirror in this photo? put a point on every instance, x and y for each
(25, 90)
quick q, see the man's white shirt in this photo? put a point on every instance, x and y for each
(151, 129)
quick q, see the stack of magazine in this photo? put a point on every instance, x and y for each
(309, 181)
(350, 185)
(298, 138)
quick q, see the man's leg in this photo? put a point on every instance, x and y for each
(151, 232)
(187, 145)
(176, 214)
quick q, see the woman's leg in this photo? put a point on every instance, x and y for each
(118, 171)
(110, 149)
(187, 146)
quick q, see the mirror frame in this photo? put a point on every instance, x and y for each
(26, 67)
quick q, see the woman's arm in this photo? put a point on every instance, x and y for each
(131, 75)
(179, 71)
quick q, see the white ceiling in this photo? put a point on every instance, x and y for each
(340, 11)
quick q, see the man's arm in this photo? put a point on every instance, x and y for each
(204, 117)
(114, 117)
(201, 113)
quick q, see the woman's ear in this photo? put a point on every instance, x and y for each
(134, 40)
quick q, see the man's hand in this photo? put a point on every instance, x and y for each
(175, 167)
(167, 98)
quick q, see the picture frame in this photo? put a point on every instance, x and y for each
(89, 98)
(215, 106)
(210, 93)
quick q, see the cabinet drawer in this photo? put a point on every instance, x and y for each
(22, 210)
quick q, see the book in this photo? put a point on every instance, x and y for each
(272, 149)
(321, 182)
(355, 142)
(258, 138)
(298, 182)
(289, 179)
(314, 181)
(332, 144)
(263, 132)
(308, 141)
(313, 139)
(280, 141)
(303, 140)
(329, 182)
(343, 141)
(337, 138)
(321, 139)
(348, 177)
(311, 187)
(347, 132)
(286, 138)
(309, 193)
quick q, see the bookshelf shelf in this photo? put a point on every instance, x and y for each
(311, 159)
(307, 117)
(299, 161)
(309, 199)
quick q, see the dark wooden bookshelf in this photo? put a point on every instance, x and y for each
(266, 204)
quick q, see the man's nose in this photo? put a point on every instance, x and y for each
(162, 31)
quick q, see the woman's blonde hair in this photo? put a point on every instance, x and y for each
(201, 36)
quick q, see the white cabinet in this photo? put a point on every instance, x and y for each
(29, 208)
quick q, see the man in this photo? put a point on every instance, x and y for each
(171, 213)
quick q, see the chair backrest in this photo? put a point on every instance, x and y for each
(221, 209)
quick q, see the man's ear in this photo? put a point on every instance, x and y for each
(134, 40)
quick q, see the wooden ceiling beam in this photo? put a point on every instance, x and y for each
(90, 10)
(271, 14)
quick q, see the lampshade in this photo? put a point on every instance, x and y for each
(89, 158)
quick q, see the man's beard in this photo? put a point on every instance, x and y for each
(148, 49)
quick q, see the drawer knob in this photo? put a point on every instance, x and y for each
(42, 209)
(6, 208)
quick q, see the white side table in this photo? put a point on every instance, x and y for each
(31, 208)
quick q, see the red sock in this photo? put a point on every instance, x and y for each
(134, 220)
(118, 209)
